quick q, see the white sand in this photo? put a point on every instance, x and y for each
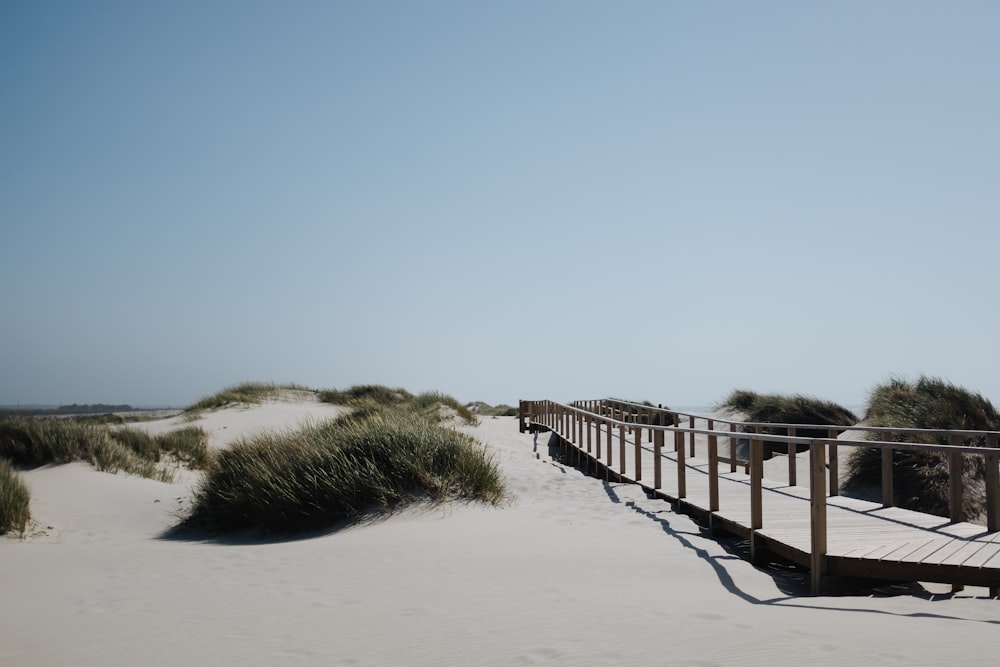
(573, 571)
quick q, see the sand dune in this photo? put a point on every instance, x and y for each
(571, 571)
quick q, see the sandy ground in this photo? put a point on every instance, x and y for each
(571, 571)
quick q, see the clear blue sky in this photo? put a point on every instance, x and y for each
(500, 200)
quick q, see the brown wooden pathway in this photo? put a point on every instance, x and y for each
(697, 467)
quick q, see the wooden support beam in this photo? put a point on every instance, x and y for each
(792, 451)
(713, 469)
(888, 497)
(992, 480)
(756, 491)
(610, 447)
(817, 518)
(638, 454)
(621, 449)
(657, 459)
(681, 468)
(834, 489)
(955, 490)
(691, 424)
(756, 480)
(597, 442)
(732, 447)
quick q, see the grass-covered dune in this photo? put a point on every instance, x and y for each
(788, 409)
(921, 479)
(373, 459)
(34, 442)
(245, 392)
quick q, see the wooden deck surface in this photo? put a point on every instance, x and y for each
(864, 538)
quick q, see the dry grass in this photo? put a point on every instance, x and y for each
(371, 460)
(921, 478)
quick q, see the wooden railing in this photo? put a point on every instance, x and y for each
(599, 425)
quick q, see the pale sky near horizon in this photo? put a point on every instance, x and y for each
(498, 200)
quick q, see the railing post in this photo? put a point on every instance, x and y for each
(638, 454)
(691, 424)
(817, 518)
(713, 469)
(520, 417)
(992, 481)
(657, 451)
(677, 422)
(621, 448)
(681, 477)
(955, 482)
(792, 451)
(609, 448)
(834, 463)
(756, 490)
(732, 448)
(590, 427)
(597, 442)
(888, 496)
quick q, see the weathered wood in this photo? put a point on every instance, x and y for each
(834, 489)
(610, 446)
(657, 459)
(888, 499)
(992, 481)
(590, 427)
(621, 449)
(955, 491)
(756, 479)
(792, 451)
(691, 424)
(713, 469)
(638, 454)
(817, 515)
(862, 538)
(732, 448)
(681, 468)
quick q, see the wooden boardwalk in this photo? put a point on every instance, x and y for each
(833, 536)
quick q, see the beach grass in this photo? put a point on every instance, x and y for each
(374, 393)
(35, 442)
(14, 500)
(788, 409)
(370, 396)
(367, 462)
(483, 409)
(246, 392)
(921, 478)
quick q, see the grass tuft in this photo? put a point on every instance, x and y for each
(14, 500)
(921, 479)
(483, 409)
(315, 477)
(788, 409)
(36, 442)
(373, 393)
(247, 392)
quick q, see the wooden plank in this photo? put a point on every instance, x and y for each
(859, 532)
(969, 550)
(938, 557)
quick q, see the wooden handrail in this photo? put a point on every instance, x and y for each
(570, 421)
